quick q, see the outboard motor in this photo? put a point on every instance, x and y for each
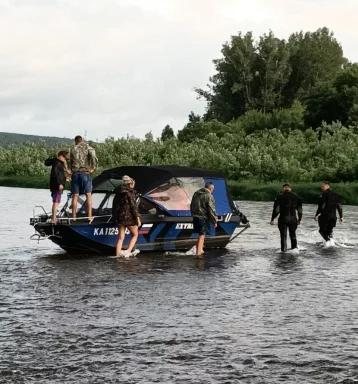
(243, 218)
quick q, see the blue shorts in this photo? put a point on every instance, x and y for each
(201, 226)
(81, 183)
(56, 197)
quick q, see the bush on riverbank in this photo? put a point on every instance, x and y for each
(255, 164)
(330, 152)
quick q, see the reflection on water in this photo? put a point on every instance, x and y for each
(287, 262)
(247, 314)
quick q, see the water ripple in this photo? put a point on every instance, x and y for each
(243, 315)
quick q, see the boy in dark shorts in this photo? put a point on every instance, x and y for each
(203, 211)
(57, 180)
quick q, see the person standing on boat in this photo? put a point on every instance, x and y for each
(329, 204)
(286, 204)
(83, 164)
(57, 179)
(202, 209)
(125, 214)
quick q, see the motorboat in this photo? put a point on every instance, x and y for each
(164, 197)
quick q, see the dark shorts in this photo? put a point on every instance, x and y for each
(81, 183)
(56, 197)
(201, 226)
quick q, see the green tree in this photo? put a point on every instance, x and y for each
(322, 103)
(230, 89)
(346, 84)
(192, 130)
(167, 133)
(334, 101)
(149, 136)
(200, 130)
(283, 119)
(251, 75)
(353, 116)
(272, 72)
(315, 57)
(269, 73)
(289, 119)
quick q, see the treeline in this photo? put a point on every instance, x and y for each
(8, 139)
(329, 152)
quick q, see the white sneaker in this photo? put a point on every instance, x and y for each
(135, 252)
(327, 244)
(125, 254)
(192, 251)
(294, 251)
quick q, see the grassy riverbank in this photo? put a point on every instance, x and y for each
(310, 192)
(39, 182)
(240, 190)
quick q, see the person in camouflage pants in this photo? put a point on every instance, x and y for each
(83, 164)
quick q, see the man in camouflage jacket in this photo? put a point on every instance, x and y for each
(202, 209)
(83, 164)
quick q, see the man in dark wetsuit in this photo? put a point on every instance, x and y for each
(286, 204)
(329, 204)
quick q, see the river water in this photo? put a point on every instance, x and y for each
(243, 315)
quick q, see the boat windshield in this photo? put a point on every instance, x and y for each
(108, 185)
(176, 194)
(145, 207)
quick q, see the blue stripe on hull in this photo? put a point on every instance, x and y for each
(168, 234)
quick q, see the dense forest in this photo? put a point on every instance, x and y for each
(277, 110)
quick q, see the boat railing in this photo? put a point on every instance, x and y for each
(68, 219)
(42, 208)
(46, 217)
(86, 219)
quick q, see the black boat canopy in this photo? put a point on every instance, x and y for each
(169, 187)
(148, 177)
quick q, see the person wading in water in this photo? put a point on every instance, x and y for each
(125, 213)
(202, 209)
(329, 204)
(286, 204)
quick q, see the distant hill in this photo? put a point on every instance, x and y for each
(7, 139)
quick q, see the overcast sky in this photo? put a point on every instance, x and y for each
(118, 67)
